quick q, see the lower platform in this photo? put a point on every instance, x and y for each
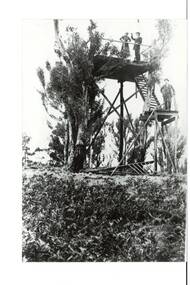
(161, 115)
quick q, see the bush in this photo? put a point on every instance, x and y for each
(65, 220)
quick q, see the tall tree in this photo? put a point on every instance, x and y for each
(159, 49)
(72, 88)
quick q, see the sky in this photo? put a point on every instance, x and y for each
(38, 46)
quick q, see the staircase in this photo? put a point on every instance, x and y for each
(142, 85)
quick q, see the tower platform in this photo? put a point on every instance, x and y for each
(163, 116)
(118, 68)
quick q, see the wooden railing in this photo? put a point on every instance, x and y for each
(148, 47)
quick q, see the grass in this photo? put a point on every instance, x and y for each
(72, 220)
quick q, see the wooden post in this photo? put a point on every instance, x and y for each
(132, 143)
(121, 122)
(130, 121)
(90, 153)
(175, 146)
(155, 145)
(163, 145)
(169, 158)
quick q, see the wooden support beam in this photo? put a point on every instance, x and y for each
(151, 172)
(119, 167)
(135, 169)
(161, 114)
(175, 145)
(109, 102)
(135, 93)
(105, 118)
(133, 141)
(130, 121)
(168, 121)
(163, 145)
(155, 144)
(167, 149)
(139, 169)
(121, 122)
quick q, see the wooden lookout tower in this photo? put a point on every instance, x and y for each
(139, 73)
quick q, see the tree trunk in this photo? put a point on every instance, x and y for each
(67, 143)
(79, 151)
(79, 156)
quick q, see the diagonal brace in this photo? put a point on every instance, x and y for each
(105, 118)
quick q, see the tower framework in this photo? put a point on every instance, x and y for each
(139, 73)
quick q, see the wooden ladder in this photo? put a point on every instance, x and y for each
(142, 85)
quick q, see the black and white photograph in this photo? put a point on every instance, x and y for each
(104, 140)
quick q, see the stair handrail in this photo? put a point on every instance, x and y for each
(153, 95)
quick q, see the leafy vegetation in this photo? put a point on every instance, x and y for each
(59, 143)
(159, 50)
(130, 129)
(72, 89)
(66, 219)
(25, 147)
(164, 160)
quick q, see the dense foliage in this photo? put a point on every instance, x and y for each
(72, 89)
(65, 219)
(25, 147)
(159, 49)
(59, 143)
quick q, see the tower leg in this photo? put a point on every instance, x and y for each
(175, 147)
(155, 146)
(121, 123)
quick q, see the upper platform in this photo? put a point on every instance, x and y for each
(118, 68)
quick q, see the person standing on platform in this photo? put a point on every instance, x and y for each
(138, 42)
(125, 51)
(168, 92)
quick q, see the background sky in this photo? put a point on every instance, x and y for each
(38, 46)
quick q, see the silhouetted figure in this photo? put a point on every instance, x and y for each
(138, 42)
(125, 51)
(168, 92)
